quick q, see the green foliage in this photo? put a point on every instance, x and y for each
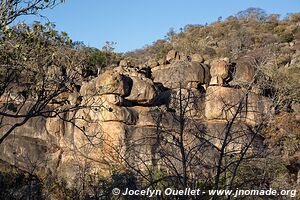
(233, 37)
(157, 50)
(285, 82)
(96, 60)
(18, 185)
(286, 37)
(40, 52)
(42, 36)
(294, 17)
(37, 58)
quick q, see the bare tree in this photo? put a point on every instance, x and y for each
(191, 152)
(10, 10)
(38, 79)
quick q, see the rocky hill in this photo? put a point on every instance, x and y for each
(133, 117)
(203, 109)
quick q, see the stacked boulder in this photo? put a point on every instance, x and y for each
(125, 111)
(224, 98)
(230, 99)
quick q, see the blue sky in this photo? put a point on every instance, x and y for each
(136, 23)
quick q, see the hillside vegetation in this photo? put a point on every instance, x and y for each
(232, 37)
(250, 37)
(214, 106)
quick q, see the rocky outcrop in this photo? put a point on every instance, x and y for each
(133, 111)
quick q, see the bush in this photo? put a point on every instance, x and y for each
(287, 37)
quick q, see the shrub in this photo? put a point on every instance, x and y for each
(287, 37)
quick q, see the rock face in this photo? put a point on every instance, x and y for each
(143, 91)
(219, 72)
(88, 88)
(190, 99)
(244, 72)
(172, 55)
(197, 58)
(133, 111)
(113, 99)
(112, 83)
(225, 103)
(181, 74)
(240, 134)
